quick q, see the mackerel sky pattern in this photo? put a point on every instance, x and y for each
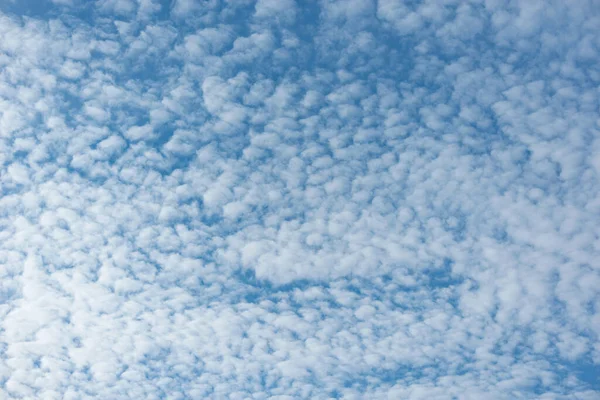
(279, 199)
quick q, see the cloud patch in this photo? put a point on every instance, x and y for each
(273, 200)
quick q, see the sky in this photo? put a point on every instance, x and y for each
(318, 199)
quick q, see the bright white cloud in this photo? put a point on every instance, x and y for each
(277, 200)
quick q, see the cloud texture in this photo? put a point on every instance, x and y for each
(282, 199)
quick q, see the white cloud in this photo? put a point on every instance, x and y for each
(269, 200)
(284, 10)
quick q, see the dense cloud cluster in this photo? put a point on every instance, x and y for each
(275, 199)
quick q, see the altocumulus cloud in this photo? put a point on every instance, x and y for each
(284, 199)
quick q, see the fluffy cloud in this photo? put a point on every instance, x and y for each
(270, 200)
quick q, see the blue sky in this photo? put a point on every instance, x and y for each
(278, 199)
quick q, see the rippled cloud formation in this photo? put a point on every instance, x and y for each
(282, 199)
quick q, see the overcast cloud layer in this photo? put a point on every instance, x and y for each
(316, 199)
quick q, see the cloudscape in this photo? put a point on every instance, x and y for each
(286, 199)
